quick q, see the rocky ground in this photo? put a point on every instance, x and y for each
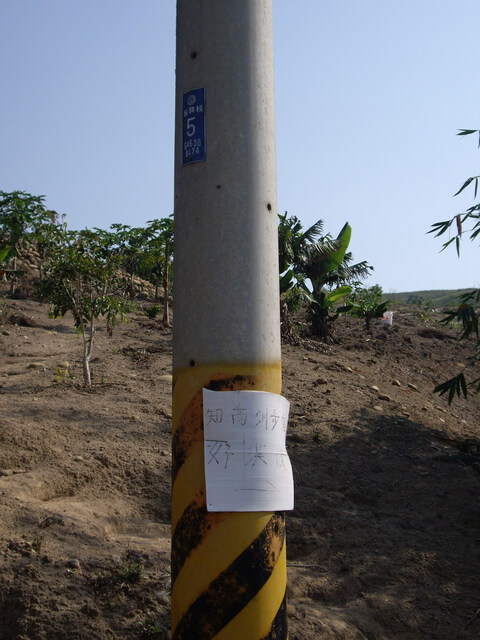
(384, 540)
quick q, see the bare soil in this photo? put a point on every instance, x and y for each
(384, 540)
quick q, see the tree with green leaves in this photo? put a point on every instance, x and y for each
(158, 259)
(366, 303)
(130, 243)
(82, 276)
(468, 311)
(322, 259)
(293, 240)
(47, 236)
(292, 243)
(20, 213)
(327, 264)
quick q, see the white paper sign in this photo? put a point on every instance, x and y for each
(247, 467)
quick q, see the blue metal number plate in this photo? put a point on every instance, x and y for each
(193, 126)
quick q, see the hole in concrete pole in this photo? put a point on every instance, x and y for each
(269, 206)
(193, 55)
(192, 363)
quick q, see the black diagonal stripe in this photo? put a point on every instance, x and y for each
(234, 588)
(189, 432)
(279, 629)
(190, 531)
(190, 428)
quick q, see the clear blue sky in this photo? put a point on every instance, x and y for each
(369, 97)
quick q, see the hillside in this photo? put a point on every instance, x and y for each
(382, 543)
(435, 298)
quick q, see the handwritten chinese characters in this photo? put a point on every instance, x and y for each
(247, 467)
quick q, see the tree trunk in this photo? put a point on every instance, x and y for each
(87, 352)
(166, 319)
(131, 286)
(13, 281)
(319, 322)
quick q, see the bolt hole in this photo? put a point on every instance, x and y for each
(219, 186)
(269, 206)
(193, 55)
(192, 363)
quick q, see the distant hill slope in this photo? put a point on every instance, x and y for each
(438, 297)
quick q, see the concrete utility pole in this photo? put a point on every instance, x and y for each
(228, 569)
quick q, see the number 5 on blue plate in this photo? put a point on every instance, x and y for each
(193, 126)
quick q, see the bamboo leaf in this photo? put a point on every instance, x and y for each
(463, 384)
(455, 386)
(446, 244)
(451, 395)
(439, 228)
(465, 185)
(466, 132)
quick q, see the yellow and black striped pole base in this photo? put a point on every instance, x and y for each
(228, 569)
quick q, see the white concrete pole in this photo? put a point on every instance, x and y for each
(225, 207)
(226, 308)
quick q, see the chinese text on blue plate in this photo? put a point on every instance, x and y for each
(193, 126)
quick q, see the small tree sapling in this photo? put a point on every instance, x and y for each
(84, 278)
(367, 304)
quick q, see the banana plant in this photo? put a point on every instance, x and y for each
(323, 309)
(321, 259)
(323, 262)
(293, 294)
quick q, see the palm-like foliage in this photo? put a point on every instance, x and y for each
(293, 240)
(325, 261)
(350, 274)
(320, 262)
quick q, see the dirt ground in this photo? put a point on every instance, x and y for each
(383, 542)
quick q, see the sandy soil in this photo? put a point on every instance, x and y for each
(384, 540)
